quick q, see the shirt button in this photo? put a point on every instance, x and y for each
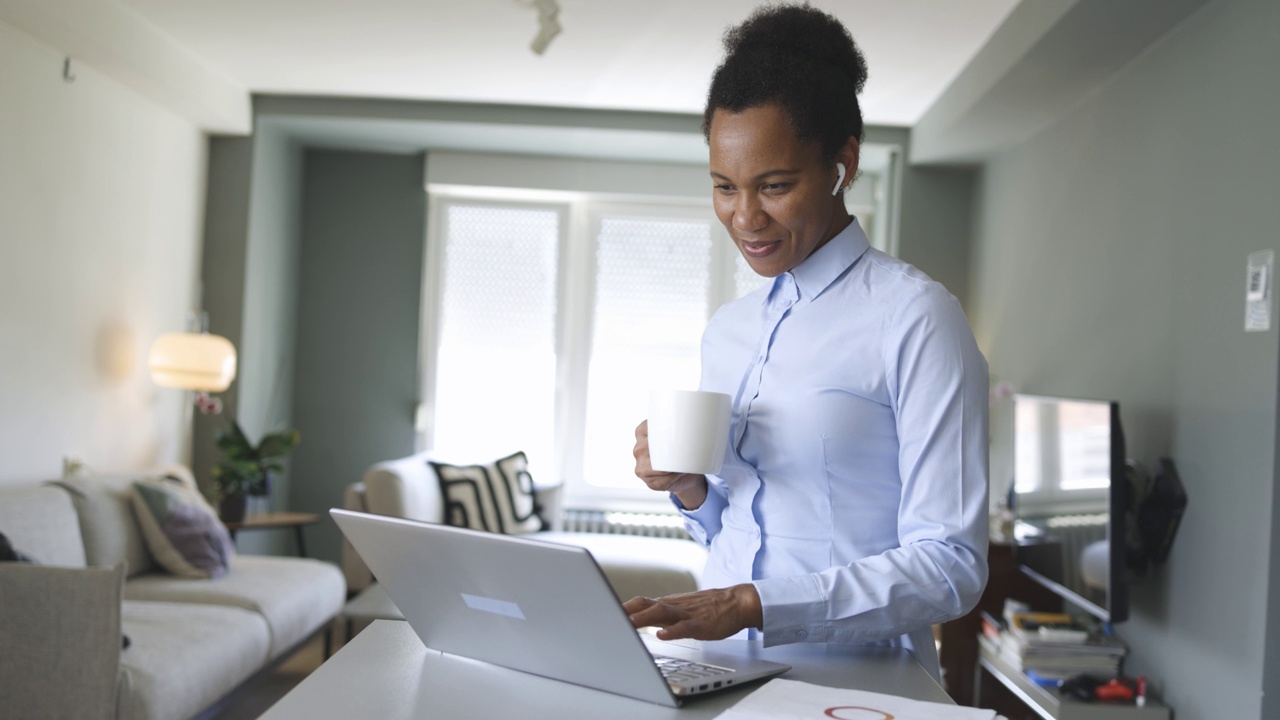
(802, 634)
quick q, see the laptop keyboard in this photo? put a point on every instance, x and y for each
(677, 670)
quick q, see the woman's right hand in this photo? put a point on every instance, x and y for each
(690, 488)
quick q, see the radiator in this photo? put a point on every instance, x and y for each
(1075, 533)
(663, 525)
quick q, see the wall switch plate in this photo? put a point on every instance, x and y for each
(1257, 291)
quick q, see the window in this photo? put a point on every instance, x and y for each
(1062, 453)
(651, 302)
(496, 356)
(549, 315)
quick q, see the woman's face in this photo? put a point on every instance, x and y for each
(773, 192)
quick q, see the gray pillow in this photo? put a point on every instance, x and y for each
(181, 530)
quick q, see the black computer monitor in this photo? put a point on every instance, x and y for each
(1070, 496)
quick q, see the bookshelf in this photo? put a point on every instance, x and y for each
(1049, 704)
(959, 646)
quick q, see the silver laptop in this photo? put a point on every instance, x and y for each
(533, 606)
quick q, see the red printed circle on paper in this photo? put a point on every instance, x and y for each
(860, 713)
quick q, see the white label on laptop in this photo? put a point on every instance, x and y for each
(489, 605)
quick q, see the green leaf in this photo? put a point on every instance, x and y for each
(277, 444)
(245, 466)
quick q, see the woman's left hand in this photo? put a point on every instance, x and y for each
(704, 615)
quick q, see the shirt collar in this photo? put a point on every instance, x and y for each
(828, 262)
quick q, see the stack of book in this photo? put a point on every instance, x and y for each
(1051, 646)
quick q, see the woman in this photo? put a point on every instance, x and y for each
(852, 506)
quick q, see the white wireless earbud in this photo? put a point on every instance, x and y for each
(840, 171)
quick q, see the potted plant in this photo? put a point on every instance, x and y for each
(246, 468)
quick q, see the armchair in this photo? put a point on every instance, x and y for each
(634, 565)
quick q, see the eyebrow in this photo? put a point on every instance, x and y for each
(763, 175)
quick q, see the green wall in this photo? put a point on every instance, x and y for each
(1108, 261)
(250, 280)
(935, 216)
(226, 228)
(359, 301)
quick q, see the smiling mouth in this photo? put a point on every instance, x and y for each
(759, 249)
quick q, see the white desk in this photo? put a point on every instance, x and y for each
(386, 673)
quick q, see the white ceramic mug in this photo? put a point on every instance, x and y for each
(688, 430)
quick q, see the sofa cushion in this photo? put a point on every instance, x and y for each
(295, 595)
(181, 530)
(41, 522)
(497, 497)
(61, 641)
(107, 523)
(185, 657)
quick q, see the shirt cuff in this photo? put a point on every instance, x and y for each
(703, 523)
(794, 610)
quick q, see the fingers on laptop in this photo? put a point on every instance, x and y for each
(704, 615)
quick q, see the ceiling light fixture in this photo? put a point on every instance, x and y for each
(194, 360)
(548, 26)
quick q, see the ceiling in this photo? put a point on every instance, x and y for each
(655, 55)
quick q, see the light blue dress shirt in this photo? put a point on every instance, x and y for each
(854, 490)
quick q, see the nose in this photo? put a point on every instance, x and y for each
(748, 215)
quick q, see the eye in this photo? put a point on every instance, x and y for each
(775, 187)
(724, 188)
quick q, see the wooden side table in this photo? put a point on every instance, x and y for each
(273, 520)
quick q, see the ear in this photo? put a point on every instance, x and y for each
(847, 155)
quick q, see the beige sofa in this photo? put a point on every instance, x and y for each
(634, 565)
(191, 641)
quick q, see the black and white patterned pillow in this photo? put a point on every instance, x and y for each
(498, 497)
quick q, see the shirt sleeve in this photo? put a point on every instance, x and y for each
(937, 381)
(703, 524)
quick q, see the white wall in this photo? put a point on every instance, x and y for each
(101, 196)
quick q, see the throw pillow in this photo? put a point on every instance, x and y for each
(498, 497)
(181, 530)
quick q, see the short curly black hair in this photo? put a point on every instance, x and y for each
(801, 59)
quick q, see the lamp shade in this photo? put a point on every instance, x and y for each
(193, 361)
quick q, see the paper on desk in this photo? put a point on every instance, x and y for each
(781, 699)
